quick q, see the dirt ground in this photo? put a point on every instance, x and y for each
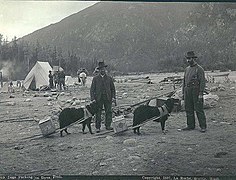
(177, 153)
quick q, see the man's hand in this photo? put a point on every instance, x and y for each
(114, 101)
(200, 96)
(93, 101)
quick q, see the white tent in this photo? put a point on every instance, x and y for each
(69, 80)
(5, 87)
(38, 76)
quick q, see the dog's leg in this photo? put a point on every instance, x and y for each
(135, 130)
(61, 133)
(84, 124)
(138, 132)
(66, 131)
(163, 127)
(89, 127)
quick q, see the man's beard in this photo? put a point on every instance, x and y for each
(191, 62)
(103, 72)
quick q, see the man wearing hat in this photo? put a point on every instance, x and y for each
(83, 76)
(193, 88)
(103, 92)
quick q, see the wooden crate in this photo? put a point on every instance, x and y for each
(46, 126)
(119, 124)
(161, 101)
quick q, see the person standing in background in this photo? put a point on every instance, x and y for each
(62, 76)
(83, 77)
(193, 88)
(50, 76)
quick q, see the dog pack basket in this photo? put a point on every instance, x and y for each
(119, 124)
(46, 126)
(161, 101)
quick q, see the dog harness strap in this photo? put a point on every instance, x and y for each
(87, 114)
(163, 110)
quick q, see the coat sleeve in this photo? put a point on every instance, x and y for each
(202, 80)
(113, 89)
(92, 90)
(183, 85)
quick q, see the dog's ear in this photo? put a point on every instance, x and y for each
(92, 107)
(169, 100)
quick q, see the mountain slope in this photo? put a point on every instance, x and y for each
(138, 36)
(119, 33)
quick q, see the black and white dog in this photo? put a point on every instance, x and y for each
(71, 115)
(145, 112)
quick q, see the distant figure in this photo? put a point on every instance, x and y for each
(85, 70)
(10, 87)
(18, 83)
(150, 82)
(50, 76)
(213, 79)
(83, 78)
(84, 74)
(78, 73)
(1, 79)
(56, 79)
(193, 88)
(62, 76)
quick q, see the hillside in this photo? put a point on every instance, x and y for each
(120, 33)
(133, 37)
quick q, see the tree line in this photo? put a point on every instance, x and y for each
(18, 58)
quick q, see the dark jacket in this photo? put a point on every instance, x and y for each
(97, 86)
(50, 77)
(61, 75)
(195, 73)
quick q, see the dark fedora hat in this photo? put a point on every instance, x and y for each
(101, 64)
(190, 54)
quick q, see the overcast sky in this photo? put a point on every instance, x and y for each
(19, 18)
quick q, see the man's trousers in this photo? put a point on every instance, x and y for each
(108, 112)
(193, 103)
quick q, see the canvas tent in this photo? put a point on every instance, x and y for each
(38, 76)
(69, 80)
(5, 87)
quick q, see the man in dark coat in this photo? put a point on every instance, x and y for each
(50, 76)
(103, 92)
(61, 76)
(193, 88)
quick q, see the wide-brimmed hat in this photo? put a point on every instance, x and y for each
(190, 54)
(101, 64)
